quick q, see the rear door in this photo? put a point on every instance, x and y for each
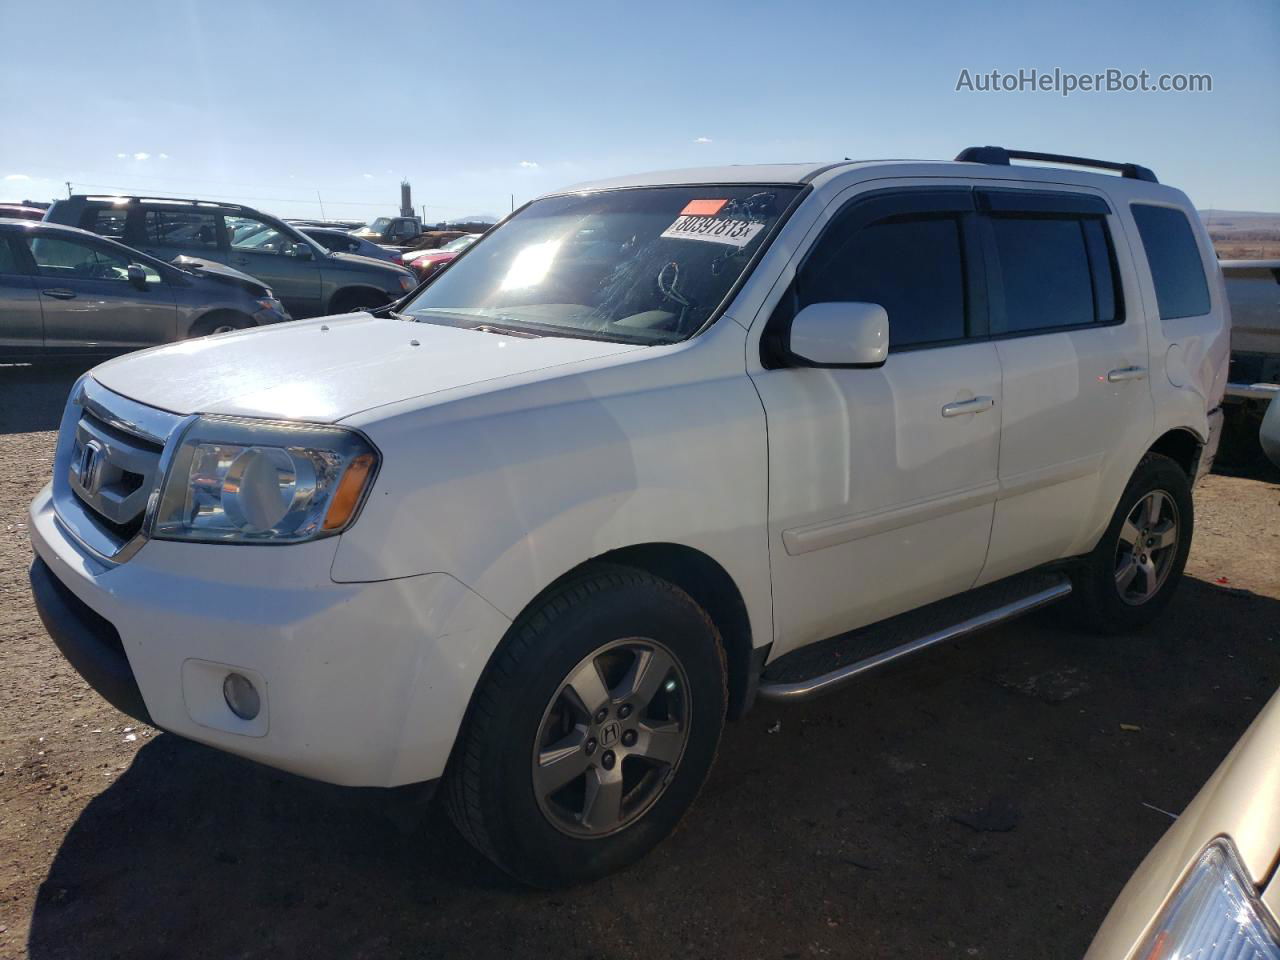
(882, 481)
(89, 304)
(21, 327)
(168, 233)
(1073, 349)
(264, 251)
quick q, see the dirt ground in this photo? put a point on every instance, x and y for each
(830, 829)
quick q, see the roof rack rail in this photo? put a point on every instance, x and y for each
(1000, 156)
(144, 198)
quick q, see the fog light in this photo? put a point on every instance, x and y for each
(241, 697)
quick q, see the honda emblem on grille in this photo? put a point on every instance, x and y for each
(90, 467)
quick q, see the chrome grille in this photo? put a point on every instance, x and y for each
(113, 472)
(109, 462)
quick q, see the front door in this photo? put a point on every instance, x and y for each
(1073, 348)
(278, 260)
(88, 302)
(882, 482)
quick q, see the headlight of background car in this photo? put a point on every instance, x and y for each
(407, 283)
(1214, 915)
(236, 480)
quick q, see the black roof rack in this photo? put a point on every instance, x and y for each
(144, 198)
(1001, 156)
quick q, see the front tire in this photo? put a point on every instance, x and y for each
(593, 729)
(1130, 576)
(220, 323)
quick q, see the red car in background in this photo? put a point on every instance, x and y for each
(424, 263)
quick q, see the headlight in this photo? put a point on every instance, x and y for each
(236, 480)
(1214, 915)
(407, 283)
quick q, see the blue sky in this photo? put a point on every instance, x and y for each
(272, 103)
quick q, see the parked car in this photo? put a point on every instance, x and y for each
(427, 262)
(435, 239)
(1209, 889)
(309, 280)
(1269, 433)
(344, 225)
(395, 231)
(1253, 289)
(658, 446)
(340, 241)
(21, 211)
(67, 292)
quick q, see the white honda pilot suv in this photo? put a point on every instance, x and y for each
(650, 448)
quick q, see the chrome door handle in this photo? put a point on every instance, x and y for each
(60, 294)
(1126, 373)
(962, 407)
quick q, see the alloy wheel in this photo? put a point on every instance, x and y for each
(1147, 547)
(611, 738)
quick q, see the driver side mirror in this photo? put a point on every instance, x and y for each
(299, 250)
(840, 335)
(137, 276)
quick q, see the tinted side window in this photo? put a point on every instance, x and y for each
(74, 259)
(1045, 274)
(186, 230)
(251, 235)
(8, 262)
(910, 265)
(1174, 258)
(106, 221)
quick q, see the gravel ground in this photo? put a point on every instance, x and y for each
(985, 800)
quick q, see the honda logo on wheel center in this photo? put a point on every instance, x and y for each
(609, 734)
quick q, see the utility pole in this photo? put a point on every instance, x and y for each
(68, 189)
(513, 203)
(322, 216)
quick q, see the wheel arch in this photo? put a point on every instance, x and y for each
(712, 588)
(206, 321)
(354, 294)
(707, 582)
(1182, 446)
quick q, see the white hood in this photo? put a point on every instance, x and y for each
(326, 369)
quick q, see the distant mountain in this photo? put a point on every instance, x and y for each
(476, 218)
(1216, 215)
(1243, 234)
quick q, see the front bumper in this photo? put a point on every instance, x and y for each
(361, 684)
(90, 643)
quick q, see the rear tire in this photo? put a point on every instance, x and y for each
(593, 729)
(1130, 576)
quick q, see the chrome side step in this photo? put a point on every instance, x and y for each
(798, 690)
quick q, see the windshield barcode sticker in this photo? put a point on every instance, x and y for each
(736, 233)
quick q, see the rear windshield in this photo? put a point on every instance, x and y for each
(644, 265)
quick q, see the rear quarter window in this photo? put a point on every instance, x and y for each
(106, 221)
(1177, 271)
(181, 229)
